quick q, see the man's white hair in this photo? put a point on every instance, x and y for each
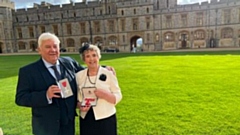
(46, 36)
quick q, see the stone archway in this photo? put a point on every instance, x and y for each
(133, 43)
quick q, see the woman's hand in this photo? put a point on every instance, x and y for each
(100, 93)
(84, 108)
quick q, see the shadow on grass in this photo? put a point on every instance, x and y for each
(10, 64)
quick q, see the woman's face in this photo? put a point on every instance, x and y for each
(91, 58)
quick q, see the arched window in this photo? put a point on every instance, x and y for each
(21, 46)
(227, 33)
(82, 41)
(157, 37)
(199, 35)
(112, 41)
(169, 36)
(70, 42)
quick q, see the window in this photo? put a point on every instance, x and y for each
(157, 37)
(83, 28)
(31, 33)
(239, 14)
(42, 29)
(148, 37)
(123, 38)
(147, 10)
(227, 33)
(55, 29)
(199, 20)
(184, 20)
(134, 11)
(183, 36)
(70, 42)
(69, 29)
(227, 16)
(123, 25)
(169, 36)
(169, 21)
(147, 23)
(199, 35)
(111, 26)
(19, 33)
(97, 27)
(74, 14)
(44, 16)
(21, 46)
(112, 40)
(135, 24)
(109, 10)
(122, 12)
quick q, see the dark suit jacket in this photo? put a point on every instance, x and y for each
(33, 82)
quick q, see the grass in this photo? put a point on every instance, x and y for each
(171, 93)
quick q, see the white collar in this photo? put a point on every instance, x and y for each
(48, 65)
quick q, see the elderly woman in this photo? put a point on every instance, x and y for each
(98, 93)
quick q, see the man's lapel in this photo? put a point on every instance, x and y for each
(64, 66)
(46, 75)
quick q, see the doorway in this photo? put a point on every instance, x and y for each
(1, 45)
(184, 41)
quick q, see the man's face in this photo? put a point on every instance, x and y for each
(49, 50)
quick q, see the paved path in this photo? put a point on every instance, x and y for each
(177, 50)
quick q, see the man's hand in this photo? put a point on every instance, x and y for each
(111, 69)
(53, 92)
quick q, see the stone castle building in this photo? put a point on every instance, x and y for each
(161, 24)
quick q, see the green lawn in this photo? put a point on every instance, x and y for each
(171, 93)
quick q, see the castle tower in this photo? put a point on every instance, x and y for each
(6, 30)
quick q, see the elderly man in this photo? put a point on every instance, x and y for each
(39, 87)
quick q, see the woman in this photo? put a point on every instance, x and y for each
(98, 117)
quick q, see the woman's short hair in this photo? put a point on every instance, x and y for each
(86, 47)
(46, 36)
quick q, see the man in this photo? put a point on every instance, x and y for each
(39, 88)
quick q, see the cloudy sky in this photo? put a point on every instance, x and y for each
(29, 3)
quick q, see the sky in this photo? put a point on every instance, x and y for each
(29, 3)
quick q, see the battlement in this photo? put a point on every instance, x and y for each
(7, 3)
(134, 3)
